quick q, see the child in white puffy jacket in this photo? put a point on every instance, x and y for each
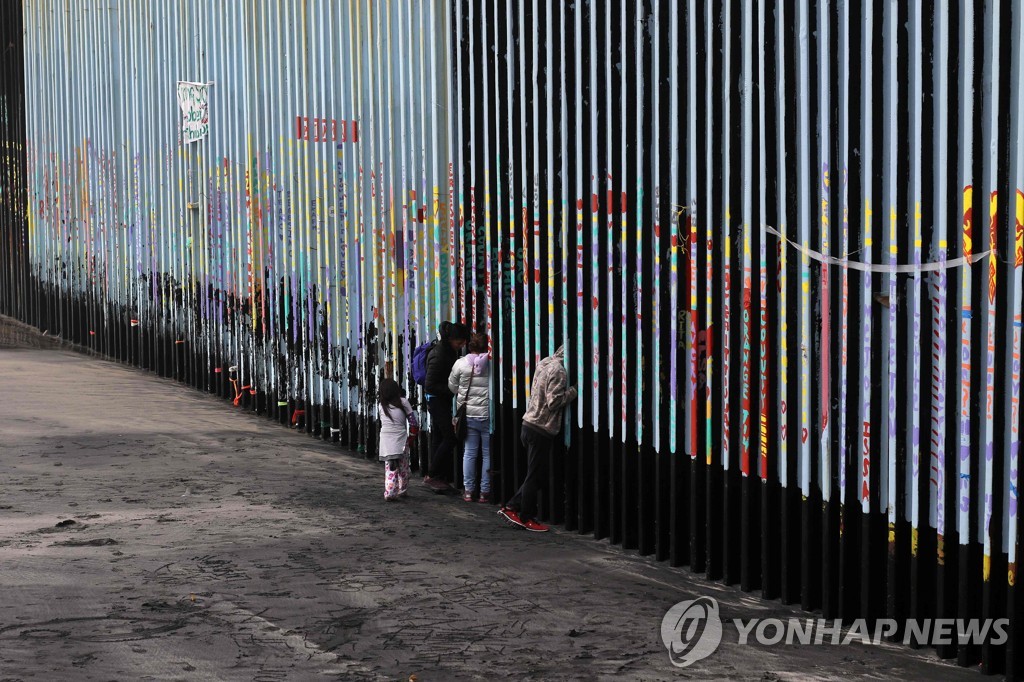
(398, 428)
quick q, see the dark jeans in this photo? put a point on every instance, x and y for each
(442, 439)
(538, 448)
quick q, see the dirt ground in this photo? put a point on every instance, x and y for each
(209, 544)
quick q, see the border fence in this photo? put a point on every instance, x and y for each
(751, 224)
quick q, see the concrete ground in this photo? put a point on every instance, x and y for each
(208, 544)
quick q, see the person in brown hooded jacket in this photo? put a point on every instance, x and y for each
(549, 394)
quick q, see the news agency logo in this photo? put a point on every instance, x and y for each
(692, 630)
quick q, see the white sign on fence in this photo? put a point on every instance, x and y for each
(193, 98)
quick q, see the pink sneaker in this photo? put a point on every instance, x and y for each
(484, 498)
(467, 496)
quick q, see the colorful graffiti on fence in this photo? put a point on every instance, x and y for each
(614, 178)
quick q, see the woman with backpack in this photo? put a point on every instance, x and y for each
(398, 428)
(470, 381)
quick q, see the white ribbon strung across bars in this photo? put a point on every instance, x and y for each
(879, 267)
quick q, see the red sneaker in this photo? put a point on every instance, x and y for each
(484, 498)
(437, 486)
(534, 526)
(512, 516)
(467, 496)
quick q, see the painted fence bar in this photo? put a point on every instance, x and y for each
(782, 242)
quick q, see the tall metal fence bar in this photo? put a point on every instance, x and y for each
(752, 225)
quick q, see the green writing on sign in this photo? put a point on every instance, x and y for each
(193, 98)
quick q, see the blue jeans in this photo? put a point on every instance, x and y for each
(478, 440)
